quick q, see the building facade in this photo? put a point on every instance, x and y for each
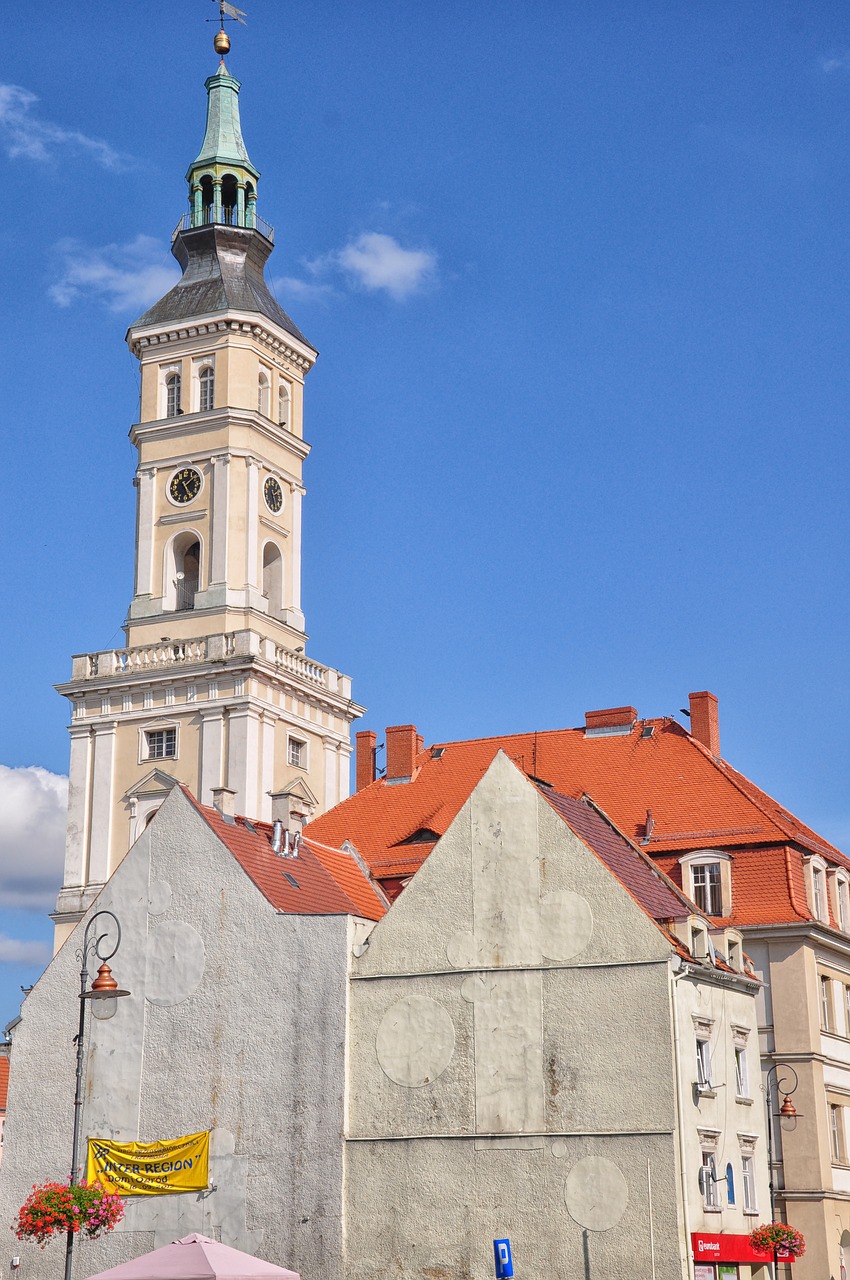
(212, 687)
(509, 1049)
(768, 885)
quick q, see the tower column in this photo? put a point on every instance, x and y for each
(252, 539)
(212, 753)
(197, 205)
(101, 801)
(216, 199)
(76, 837)
(331, 773)
(292, 612)
(145, 481)
(242, 758)
(240, 203)
(220, 495)
(267, 784)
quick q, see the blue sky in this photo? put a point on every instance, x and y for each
(578, 274)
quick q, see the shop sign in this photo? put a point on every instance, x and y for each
(709, 1247)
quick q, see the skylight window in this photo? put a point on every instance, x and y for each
(291, 878)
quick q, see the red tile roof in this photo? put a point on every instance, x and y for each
(4, 1082)
(696, 802)
(324, 881)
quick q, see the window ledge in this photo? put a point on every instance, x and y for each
(712, 1208)
(745, 1102)
(751, 1213)
(706, 1092)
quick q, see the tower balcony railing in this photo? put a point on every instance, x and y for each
(143, 658)
(226, 216)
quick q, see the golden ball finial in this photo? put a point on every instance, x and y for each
(221, 44)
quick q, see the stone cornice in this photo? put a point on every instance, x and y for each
(297, 359)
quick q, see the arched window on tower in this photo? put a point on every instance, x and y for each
(188, 577)
(228, 200)
(263, 393)
(206, 379)
(207, 198)
(172, 395)
(182, 571)
(283, 404)
(273, 577)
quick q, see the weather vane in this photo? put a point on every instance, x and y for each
(226, 13)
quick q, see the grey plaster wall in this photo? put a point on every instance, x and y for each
(236, 1023)
(511, 1061)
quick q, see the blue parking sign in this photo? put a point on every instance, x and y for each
(504, 1261)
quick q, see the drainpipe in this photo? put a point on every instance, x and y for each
(679, 1112)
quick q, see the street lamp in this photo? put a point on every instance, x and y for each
(787, 1111)
(104, 995)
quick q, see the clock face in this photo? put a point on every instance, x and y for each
(273, 494)
(184, 485)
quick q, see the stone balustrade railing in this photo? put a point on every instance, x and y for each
(234, 644)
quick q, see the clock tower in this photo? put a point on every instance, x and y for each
(213, 687)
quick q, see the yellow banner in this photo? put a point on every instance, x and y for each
(150, 1168)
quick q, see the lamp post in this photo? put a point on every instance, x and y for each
(104, 996)
(787, 1111)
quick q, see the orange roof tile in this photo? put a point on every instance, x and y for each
(319, 881)
(696, 802)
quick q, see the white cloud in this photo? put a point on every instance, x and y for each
(25, 135)
(124, 276)
(378, 261)
(18, 951)
(372, 261)
(838, 62)
(33, 803)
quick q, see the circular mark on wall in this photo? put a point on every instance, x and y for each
(462, 950)
(175, 963)
(415, 1041)
(559, 1148)
(159, 897)
(596, 1193)
(566, 924)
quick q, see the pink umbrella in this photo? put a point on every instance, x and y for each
(196, 1258)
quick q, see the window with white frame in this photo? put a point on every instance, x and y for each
(827, 1020)
(705, 878)
(842, 897)
(703, 1064)
(748, 1182)
(263, 393)
(699, 942)
(206, 385)
(172, 395)
(836, 1133)
(708, 1180)
(742, 1080)
(847, 1011)
(297, 753)
(283, 404)
(819, 893)
(161, 744)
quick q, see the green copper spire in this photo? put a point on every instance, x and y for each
(222, 181)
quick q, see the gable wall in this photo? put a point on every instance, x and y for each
(511, 1060)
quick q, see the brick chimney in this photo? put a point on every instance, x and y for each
(401, 752)
(705, 722)
(364, 758)
(224, 799)
(609, 722)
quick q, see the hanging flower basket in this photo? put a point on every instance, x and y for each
(55, 1208)
(778, 1237)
